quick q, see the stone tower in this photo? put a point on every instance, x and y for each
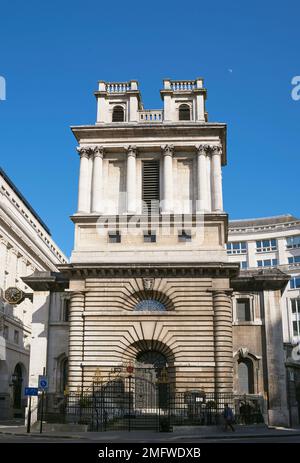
(149, 275)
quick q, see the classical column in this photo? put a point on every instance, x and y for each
(216, 178)
(76, 337)
(98, 152)
(223, 341)
(84, 187)
(201, 179)
(131, 179)
(167, 205)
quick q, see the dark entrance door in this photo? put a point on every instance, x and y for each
(17, 391)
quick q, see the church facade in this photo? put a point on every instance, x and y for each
(149, 287)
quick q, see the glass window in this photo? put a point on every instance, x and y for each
(295, 282)
(243, 265)
(149, 237)
(243, 310)
(16, 337)
(66, 310)
(150, 304)
(295, 303)
(294, 260)
(267, 263)
(293, 242)
(266, 245)
(237, 247)
(114, 237)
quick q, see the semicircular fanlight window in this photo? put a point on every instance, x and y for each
(150, 304)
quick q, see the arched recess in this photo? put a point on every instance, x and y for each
(184, 112)
(246, 367)
(18, 383)
(118, 114)
(61, 373)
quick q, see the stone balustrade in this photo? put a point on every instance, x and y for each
(181, 85)
(151, 115)
(118, 87)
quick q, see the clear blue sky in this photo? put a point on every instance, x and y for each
(53, 53)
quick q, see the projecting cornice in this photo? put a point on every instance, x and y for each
(205, 269)
(183, 136)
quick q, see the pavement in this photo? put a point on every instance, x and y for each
(203, 433)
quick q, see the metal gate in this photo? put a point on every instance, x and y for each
(138, 401)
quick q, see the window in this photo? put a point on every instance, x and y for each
(266, 245)
(243, 310)
(294, 260)
(66, 310)
(295, 282)
(5, 332)
(149, 237)
(16, 337)
(150, 186)
(293, 242)
(150, 304)
(184, 112)
(267, 263)
(118, 114)
(114, 237)
(243, 265)
(237, 247)
(184, 236)
(246, 376)
(296, 316)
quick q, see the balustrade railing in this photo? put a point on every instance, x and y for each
(118, 87)
(181, 85)
(151, 115)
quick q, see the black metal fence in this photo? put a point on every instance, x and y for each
(111, 408)
(134, 402)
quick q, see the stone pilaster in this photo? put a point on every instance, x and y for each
(216, 178)
(167, 151)
(76, 339)
(201, 179)
(97, 205)
(223, 341)
(84, 187)
(131, 179)
(276, 370)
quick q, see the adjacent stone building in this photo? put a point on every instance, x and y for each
(25, 246)
(149, 287)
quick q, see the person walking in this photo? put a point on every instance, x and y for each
(228, 417)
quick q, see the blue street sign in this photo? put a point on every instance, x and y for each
(43, 382)
(31, 391)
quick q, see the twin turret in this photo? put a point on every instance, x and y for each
(183, 100)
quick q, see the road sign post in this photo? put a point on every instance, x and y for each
(43, 386)
(30, 391)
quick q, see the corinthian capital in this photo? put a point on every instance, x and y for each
(202, 149)
(167, 150)
(216, 149)
(84, 151)
(98, 151)
(131, 150)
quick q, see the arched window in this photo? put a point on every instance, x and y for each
(118, 114)
(150, 304)
(246, 376)
(184, 112)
